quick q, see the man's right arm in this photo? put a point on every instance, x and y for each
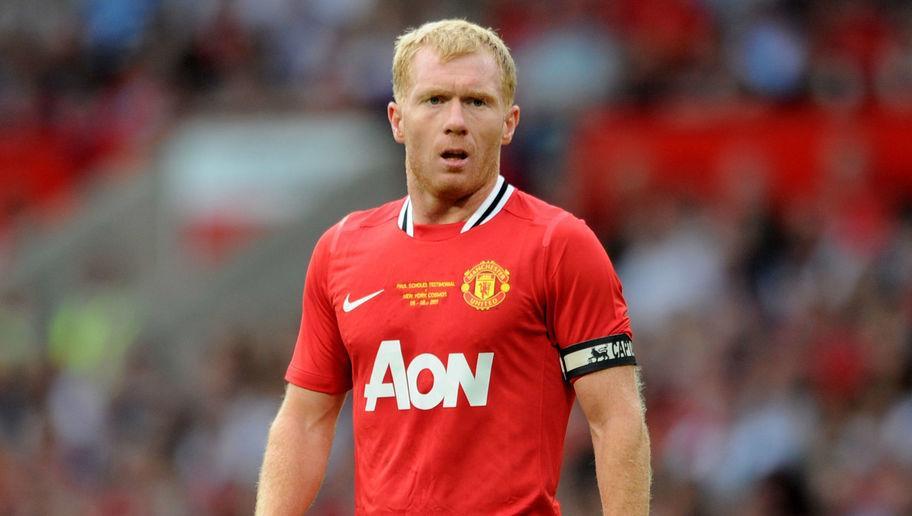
(297, 451)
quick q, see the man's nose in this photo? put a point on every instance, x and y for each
(455, 122)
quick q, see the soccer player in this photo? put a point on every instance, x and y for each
(464, 318)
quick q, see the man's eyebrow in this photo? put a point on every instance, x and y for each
(443, 92)
(433, 92)
(477, 94)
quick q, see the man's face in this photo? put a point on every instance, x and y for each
(453, 121)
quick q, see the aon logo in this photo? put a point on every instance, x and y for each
(447, 379)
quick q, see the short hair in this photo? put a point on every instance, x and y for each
(450, 39)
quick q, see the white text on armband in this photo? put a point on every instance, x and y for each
(597, 354)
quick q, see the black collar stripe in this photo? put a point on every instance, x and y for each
(403, 221)
(487, 213)
(489, 201)
(490, 207)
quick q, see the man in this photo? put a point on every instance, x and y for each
(464, 318)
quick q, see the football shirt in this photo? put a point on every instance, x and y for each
(459, 343)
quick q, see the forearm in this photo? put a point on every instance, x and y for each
(622, 456)
(295, 461)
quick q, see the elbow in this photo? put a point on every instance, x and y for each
(626, 423)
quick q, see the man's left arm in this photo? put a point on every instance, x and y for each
(612, 403)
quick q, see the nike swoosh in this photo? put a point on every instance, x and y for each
(348, 306)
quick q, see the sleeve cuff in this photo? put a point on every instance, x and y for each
(315, 382)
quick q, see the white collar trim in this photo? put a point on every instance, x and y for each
(491, 206)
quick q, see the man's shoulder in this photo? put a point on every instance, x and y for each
(373, 217)
(526, 206)
(360, 220)
(555, 223)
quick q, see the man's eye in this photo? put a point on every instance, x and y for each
(434, 100)
(478, 102)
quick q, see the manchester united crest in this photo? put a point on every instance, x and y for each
(485, 285)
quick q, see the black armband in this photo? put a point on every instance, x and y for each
(597, 354)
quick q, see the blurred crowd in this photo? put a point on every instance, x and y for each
(84, 83)
(775, 337)
(777, 349)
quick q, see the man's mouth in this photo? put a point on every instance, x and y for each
(455, 158)
(454, 154)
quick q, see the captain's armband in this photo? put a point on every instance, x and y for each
(597, 354)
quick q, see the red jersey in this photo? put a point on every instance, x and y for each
(459, 343)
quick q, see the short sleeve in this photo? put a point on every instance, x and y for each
(320, 361)
(586, 311)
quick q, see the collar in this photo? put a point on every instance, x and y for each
(491, 206)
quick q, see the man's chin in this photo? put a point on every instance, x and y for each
(454, 186)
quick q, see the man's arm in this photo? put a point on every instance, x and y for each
(299, 442)
(611, 400)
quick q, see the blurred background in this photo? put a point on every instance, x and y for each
(166, 166)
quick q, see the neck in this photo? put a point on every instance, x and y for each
(428, 208)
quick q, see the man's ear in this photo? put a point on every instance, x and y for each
(509, 126)
(395, 118)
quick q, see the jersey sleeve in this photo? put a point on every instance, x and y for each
(320, 361)
(586, 311)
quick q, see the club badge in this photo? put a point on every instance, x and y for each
(485, 285)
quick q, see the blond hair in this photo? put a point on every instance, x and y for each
(450, 39)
